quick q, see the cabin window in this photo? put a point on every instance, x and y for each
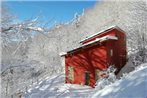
(97, 74)
(111, 52)
(70, 73)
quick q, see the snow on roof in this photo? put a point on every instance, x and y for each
(111, 27)
(108, 37)
(97, 39)
(62, 53)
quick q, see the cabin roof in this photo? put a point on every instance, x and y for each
(105, 38)
(99, 40)
(102, 31)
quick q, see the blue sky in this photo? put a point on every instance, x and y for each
(60, 11)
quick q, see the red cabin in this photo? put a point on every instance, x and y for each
(84, 65)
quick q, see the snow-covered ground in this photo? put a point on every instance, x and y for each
(55, 87)
(133, 85)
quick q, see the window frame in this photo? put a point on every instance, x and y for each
(111, 52)
(70, 75)
(97, 74)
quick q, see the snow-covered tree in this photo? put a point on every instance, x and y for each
(16, 37)
(107, 77)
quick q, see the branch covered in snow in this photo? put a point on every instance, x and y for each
(103, 81)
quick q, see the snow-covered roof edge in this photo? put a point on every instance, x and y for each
(62, 53)
(97, 39)
(101, 39)
(102, 31)
(108, 37)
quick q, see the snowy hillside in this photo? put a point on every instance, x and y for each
(133, 85)
(35, 55)
(56, 88)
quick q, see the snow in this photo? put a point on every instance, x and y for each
(44, 87)
(108, 37)
(55, 87)
(62, 53)
(102, 39)
(36, 29)
(133, 85)
(127, 68)
(113, 26)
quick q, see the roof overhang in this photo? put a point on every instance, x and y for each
(62, 53)
(105, 38)
(102, 31)
(97, 40)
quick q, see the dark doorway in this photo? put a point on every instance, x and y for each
(87, 78)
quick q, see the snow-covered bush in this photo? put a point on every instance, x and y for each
(140, 57)
(134, 60)
(132, 84)
(107, 78)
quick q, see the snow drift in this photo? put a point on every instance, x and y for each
(133, 85)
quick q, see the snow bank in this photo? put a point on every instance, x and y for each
(55, 87)
(134, 60)
(134, 85)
